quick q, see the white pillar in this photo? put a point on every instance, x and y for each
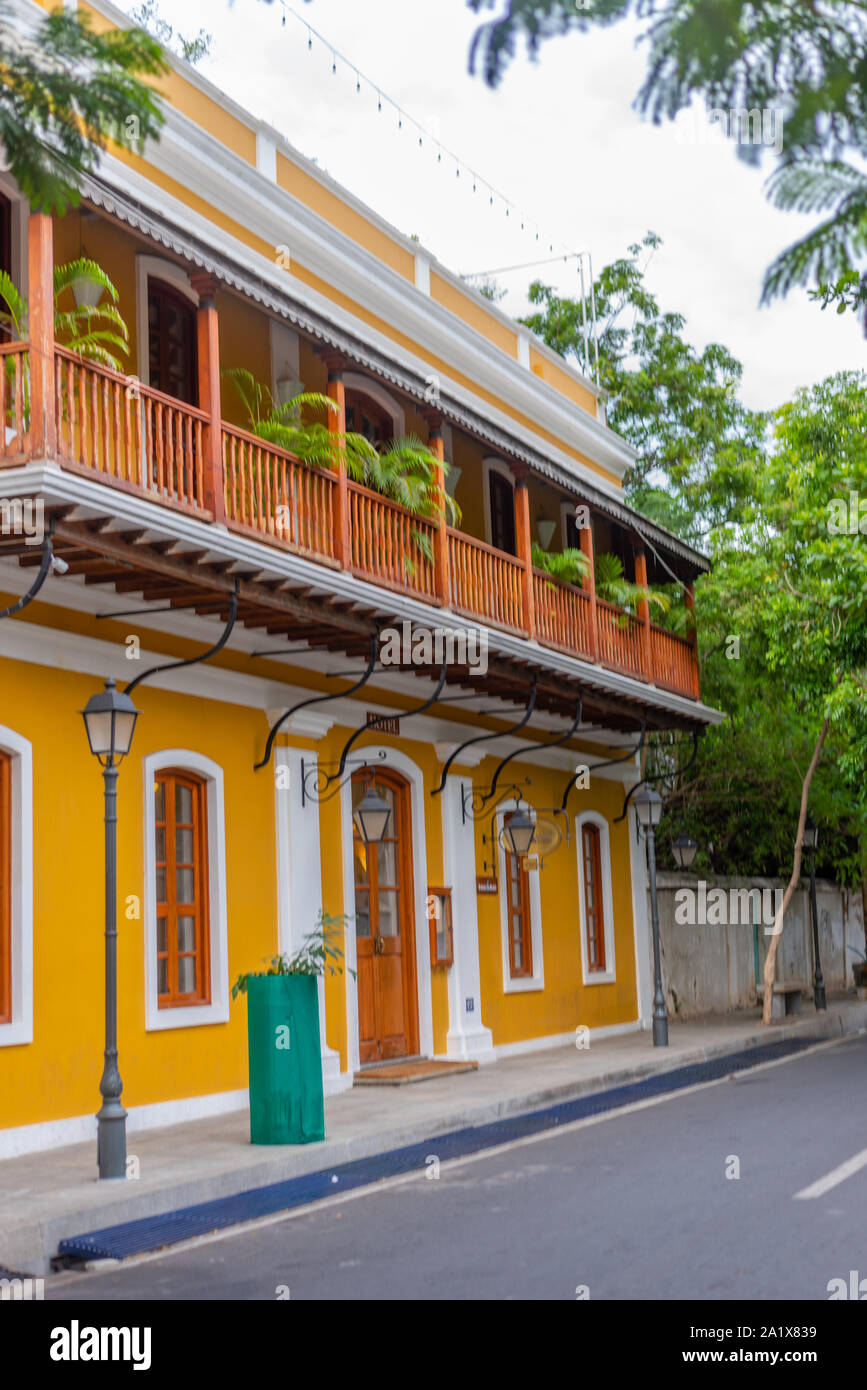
(467, 1036)
(299, 879)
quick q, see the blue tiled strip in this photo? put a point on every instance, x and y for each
(154, 1232)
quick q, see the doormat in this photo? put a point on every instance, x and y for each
(405, 1073)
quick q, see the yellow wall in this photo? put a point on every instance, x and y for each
(57, 1075)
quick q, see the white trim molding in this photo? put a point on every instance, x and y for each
(609, 974)
(546, 1044)
(299, 881)
(154, 268)
(19, 1029)
(368, 386)
(396, 761)
(467, 1036)
(523, 984)
(194, 1015)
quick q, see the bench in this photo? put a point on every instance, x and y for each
(788, 997)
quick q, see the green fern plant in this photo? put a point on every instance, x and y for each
(831, 250)
(571, 566)
(613, 587)
(96, 332)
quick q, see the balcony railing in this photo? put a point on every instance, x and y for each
(137, 439)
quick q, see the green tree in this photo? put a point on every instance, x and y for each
(64, 92)
(803, 60)
(147, 15)
(680, 409)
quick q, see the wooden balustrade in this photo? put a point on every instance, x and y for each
(621, 641)
(14, 402)
(485, 583)
(562, 615)
(675, 666)
(269, 491)
(389, 545)
(133, 436)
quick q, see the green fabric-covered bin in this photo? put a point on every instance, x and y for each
(286, 1101)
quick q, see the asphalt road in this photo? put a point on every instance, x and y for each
(637, 1206)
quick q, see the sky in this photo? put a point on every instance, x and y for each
(558, 139)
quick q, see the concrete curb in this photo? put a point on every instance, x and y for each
(29, 1246)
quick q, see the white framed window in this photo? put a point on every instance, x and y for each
(523, 965)
(161, 1011)
(16, 829)
(595, 899)
(493, 530)
(169, 273)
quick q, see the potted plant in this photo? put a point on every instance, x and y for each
(284, 1048)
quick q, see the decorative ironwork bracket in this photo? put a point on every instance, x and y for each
(608, 762)
(486, 796)
(483, 738)
(660, 776)
(319, 700)
(317, 785)
(45, 569)
(194, 660)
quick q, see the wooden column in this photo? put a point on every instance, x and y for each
(40, 289)
(337, 428)
(524, 546)
(589, 585)
(442, 573)
(692, 635)
(644, 616)
(210, 401)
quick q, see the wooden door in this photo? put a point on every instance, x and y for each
(384, 936)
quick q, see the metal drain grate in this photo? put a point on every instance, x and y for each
(155, 1232)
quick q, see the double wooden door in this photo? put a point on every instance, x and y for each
(384, 936)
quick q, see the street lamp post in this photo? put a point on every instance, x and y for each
(109, 719)
(648, 808)
(811, 840)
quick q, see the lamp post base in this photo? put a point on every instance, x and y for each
(660, 1032)
(111, 1141)
(819, 998)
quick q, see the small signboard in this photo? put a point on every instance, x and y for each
(383, 724)
(486, 885)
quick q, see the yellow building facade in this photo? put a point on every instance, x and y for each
(144, 526)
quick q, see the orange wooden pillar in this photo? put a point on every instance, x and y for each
(210, 399)
(644, 616)
(40, 287)
(589, 586)
(692, 635)
(337, 428)
(524, 546)
(442, 572)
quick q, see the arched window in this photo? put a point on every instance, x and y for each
(594, 913)
(5, 888)
(171, 342)
(366, 416)
(181, 863)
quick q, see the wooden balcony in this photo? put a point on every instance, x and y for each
(131, 437)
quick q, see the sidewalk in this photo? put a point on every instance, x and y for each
(45, 1197)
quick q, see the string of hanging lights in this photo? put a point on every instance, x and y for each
(463, 170)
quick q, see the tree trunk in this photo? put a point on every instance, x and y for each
(771, 957)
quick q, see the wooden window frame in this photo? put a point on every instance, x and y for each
(6, 811)
(595, 938)
(526, 970)
(443, 897)
(172, 777)
(163, 289)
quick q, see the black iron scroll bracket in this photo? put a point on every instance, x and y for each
(485, 796)
(318, 785)
(320, 700)
(193, 660)
(608, 762)
(661, 776)
(484, 738)
(45, 569)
